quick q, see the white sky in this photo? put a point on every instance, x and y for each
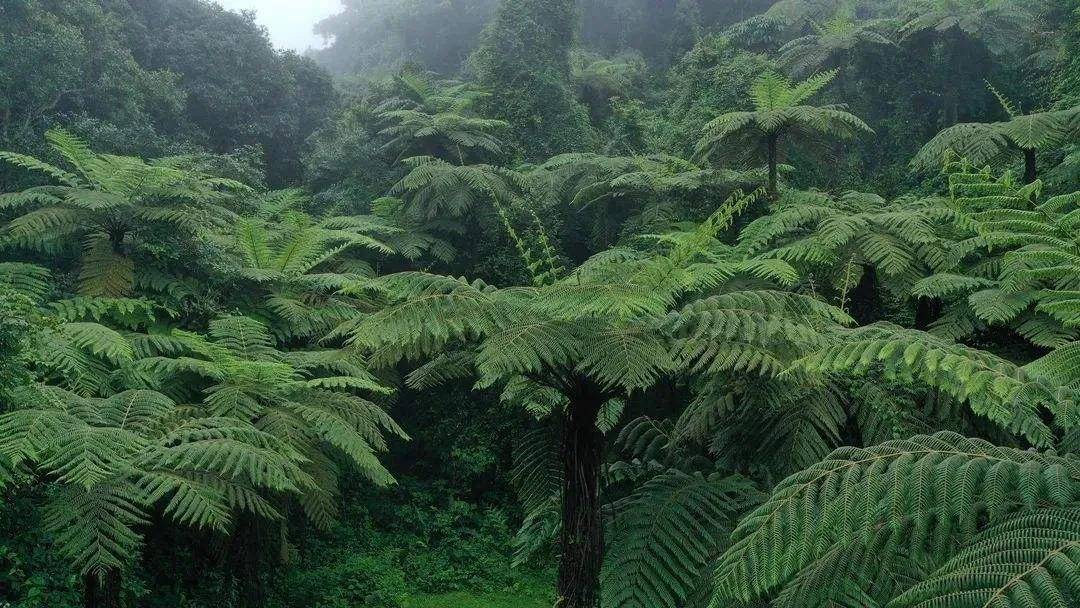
(289, 21)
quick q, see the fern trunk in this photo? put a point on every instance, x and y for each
(102, 592)
(581, 541)
(1031, 172)
(774, 191)
(248, 545)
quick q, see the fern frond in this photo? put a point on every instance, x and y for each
(667, 534)
(918, 489)
(995, 388)
(1030, 559)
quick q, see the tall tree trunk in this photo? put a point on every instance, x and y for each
(865, 297)
(582, 537)
(774, 190)
(103, 592)
(1031, 171)
(248, 545)
(927, 310)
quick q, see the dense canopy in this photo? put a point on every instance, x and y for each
(541, 303)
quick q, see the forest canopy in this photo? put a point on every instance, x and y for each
(541, 303)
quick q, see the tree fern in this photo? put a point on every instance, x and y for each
(612, 328)
(1017, 254)
(779, 110)
(113, 459)
(1010, 395)
(297, 268)
(107, 202)
(982, 143)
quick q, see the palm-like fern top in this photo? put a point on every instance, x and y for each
(617, 323)
(982, 143)
(102, 202)
(779, 110)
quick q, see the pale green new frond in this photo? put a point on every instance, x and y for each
(626, 300)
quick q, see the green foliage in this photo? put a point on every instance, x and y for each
(434, 119)
(1038, 552)
(300, 266)
(108, 202)
(994, 24)
(524, 60)
(19, 326)
(908, 498)
(666, 535)
(984, 143)
(1007, 394)
(114, 458)
(779, 111)
(1015, 251)
(531, 594)
(197, 376)
(838, 37)
(836, 240)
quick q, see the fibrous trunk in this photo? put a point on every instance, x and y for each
(773, 173)
(102, 592)
(1031, 172)
(582, 539)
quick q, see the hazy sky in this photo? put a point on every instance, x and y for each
(289, 21)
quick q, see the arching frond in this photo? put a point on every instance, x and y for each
(666, 536)
(911, 491)
(1024, 560)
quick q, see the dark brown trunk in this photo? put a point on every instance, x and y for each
(774, 190)
(102, 592)
(1031, 172)
(248, 543)
(582, 539)
(865, 302)
(927, 310)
